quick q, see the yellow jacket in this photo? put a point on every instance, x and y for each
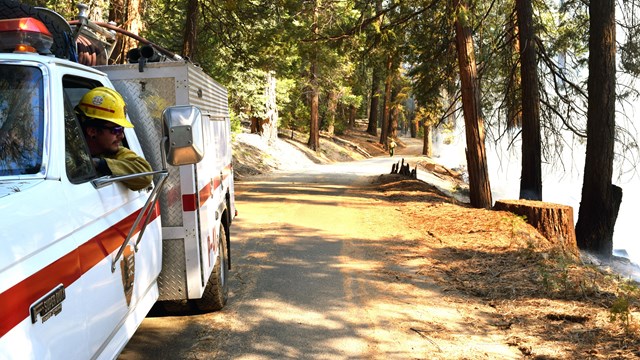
(126, 162)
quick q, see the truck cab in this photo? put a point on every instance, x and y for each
(58, 231)
(81, 255)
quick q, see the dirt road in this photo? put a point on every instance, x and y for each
(322, 271)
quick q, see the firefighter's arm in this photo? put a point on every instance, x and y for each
(127, 162)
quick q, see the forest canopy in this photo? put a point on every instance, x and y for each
(410, 44)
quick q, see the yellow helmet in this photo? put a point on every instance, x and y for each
(105, 104)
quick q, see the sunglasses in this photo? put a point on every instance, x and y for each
(115, 130)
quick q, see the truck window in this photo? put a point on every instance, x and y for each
(21, 120)
(75, 87)
(77, 159)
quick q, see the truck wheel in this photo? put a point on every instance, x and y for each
(59, 28)
(217, 290)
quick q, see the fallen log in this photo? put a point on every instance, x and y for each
(553, 221)
(348, 143)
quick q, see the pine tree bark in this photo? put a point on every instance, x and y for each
(372, 128)
(413, 127)
(479, 188)
(600, 198)
(531, 175)
(427, 142)
(332, 107)
(393, 121)
(386, 104)
(270, 125)
(190, 30)
(314, 130)
(514, 87)
(352, 116)
(128, 15)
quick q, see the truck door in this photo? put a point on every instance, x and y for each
(40, 315)
(118, 292)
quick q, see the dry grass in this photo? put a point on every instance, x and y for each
(552, 306)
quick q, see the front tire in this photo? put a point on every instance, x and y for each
(216, 293)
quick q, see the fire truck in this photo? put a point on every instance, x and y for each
(83, 258)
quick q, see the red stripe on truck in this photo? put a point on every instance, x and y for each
(17, 300)
(189, 202)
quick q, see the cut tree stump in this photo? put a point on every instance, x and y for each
(553, 221)
(404, 169)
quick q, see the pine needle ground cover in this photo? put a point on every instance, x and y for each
(549, 305)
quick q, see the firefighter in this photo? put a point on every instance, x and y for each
(392, 146)
(102, 113)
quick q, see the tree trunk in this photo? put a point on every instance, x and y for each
(314, 131)
(372, 128)
(190, 30)
(427, 144)
(128, 15)
(600, 199)
(332, 106)
(413, 127)
(479, 188)
(117, 14)
(514, 87)
(553, 221)
(531, 175)
(393, 122)
(352, 116)
(270, 123)
(386, 104)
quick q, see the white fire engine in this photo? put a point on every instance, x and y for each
(82, 258)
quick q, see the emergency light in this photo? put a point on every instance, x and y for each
(26, 35)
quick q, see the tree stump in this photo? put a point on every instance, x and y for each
(553, 221)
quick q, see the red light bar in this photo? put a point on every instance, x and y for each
(25, 35)
(24, 24)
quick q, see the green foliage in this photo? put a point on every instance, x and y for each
(239, 41)
(236, 124)
(555, 277)
(349, 99)
(429, 115)
(67, 9)
(515, 222)
(630, 52)
(620, 309)
(295, 113)
(247, 94)
(340, 127)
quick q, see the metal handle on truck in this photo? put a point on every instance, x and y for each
(183, 144)
(146, 209)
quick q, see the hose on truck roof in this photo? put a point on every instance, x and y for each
(88, 53)
(162, 50)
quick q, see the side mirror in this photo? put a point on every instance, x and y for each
(182, 129)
